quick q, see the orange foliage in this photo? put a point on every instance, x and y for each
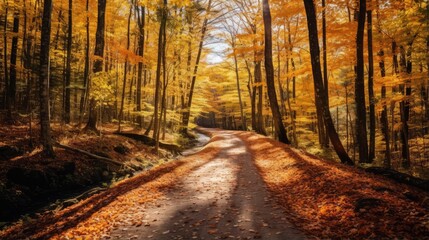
(330, 200)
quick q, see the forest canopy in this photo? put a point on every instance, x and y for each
(344, 75)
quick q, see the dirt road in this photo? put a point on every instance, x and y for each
(222, 199)
(218, 193)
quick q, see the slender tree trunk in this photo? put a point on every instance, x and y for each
(321, 129)
(121, 111)
(347, 114)
(292, 113)
(384, 117)
(292, 64)
(371, 154)
(98, 63)
(279, 83)
(252, 91)
(68, 65)
(269, 70)
(141, 15)
(426, 83)
(405, 108)
(164, 84)
(237, 78)
(187, 112)
(259, 93)
(84, 96)
(318, 82)
(189, 21)
(325, 68)
(13, 56)
(26, 58)
(5, 67)
(425, 89)
(395, 67)
(395, 70)
(360, 87)
(45, 130)
(161, 49)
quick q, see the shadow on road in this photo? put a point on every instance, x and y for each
(223, 198)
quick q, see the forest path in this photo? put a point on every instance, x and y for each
(224, 198)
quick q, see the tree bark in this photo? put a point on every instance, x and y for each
(6, 72)
(84, 96)
(121, 110)
(98, 63)
(45, 129)
(258, 92)
(161, 48)
(384, 117)
(252, 91)
(68, 64)
(237, 78)
(325, 141)
(141, 15)
(371, 154)
(269, 71)
(360, 87)
(292, 113)
(13, 56)
(318, 82)
(405, 107)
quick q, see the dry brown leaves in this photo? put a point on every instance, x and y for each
(330, 200)
(97, 215)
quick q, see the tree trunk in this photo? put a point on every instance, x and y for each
(6, 72)
(269, 70)
(187, 112)
(163, 116)
(84, 96)
(13, 56)
(279, 83)
(45, 128)
(325, 68)
(321, 129)
(384, 117)
(98, 63)
(405, 109)
(371, 154)
(425, 88)
(347, 114)
(258, 92)
(237, 78)
(252, 91)
(141, 15)
(26, 59)
(395, 68)
(161, 49)
(292, 113)
(68, 64)
(121, 111)
(318, 82)
(360, 87)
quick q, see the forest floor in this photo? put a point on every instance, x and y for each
(244, 186)
(30, 183)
